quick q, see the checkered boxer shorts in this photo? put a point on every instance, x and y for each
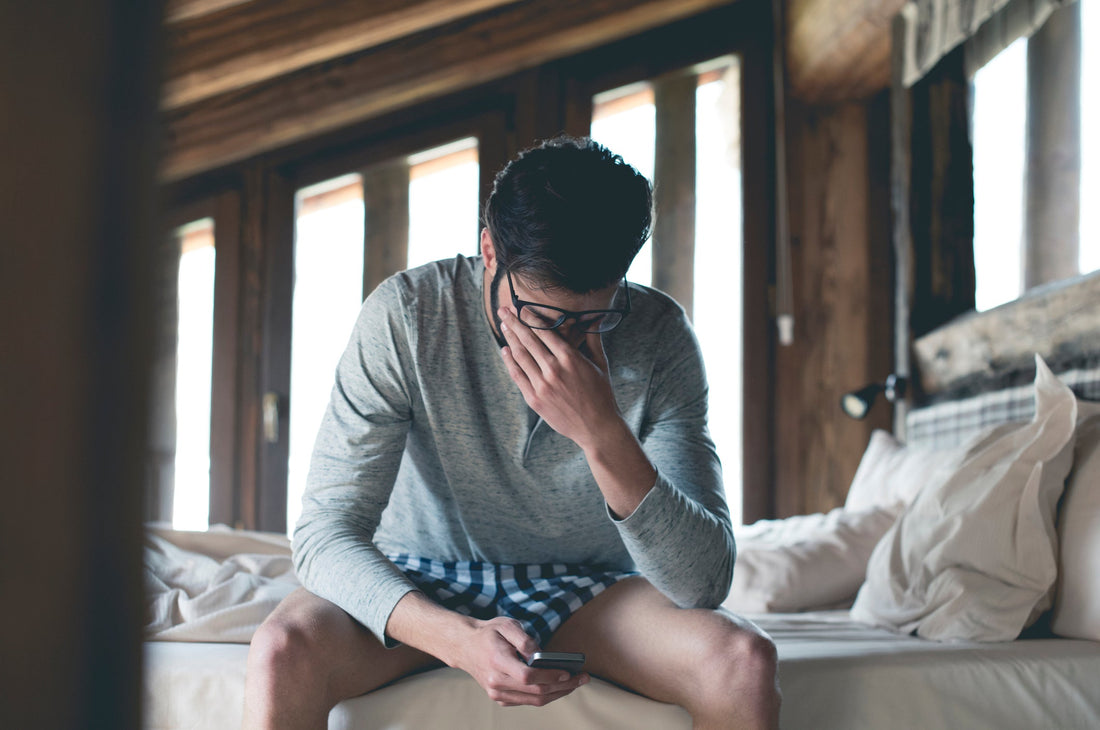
(540, 596)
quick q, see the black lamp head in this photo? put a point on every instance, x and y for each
(857, 404)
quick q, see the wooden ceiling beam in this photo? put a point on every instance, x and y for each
(321, 98)
(838, 49)
(177, 10)
(229, 44)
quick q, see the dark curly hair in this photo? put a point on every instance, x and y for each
(569, 214)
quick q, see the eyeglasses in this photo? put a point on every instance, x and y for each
(545, 317)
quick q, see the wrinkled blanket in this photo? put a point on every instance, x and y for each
(216, 586)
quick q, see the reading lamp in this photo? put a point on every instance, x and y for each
(858, 403)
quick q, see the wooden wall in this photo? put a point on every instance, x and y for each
(843, 281)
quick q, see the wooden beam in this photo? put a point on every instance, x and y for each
(1053, 185)
(248, 43)
(674, 188)
(237, 125)
(839, 49)
(177, 10)
(386, 228)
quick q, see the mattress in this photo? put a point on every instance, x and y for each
(834, 673)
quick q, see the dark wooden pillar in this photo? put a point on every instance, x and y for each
(1053, 212)
(941, 200)
(78, 88)
(386, 228)
(674, 187)
(161, 455)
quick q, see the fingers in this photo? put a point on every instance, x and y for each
(512, 682)
(541, 694)
(513, 633)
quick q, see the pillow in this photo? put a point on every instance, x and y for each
(975, 557)
(890, 473)
(1077, 600)
(805, 562)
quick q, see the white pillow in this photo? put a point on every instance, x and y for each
(890, 474)
(1077, 600)
(805, 562)
(975, 557)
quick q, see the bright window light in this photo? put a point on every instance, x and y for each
(194, 358)
(443, 196)
(999, 122)
(328, 292)
(717, 285)
(625, 121)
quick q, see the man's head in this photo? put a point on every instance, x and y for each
(569, 215)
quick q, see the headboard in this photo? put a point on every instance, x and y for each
(977, 370)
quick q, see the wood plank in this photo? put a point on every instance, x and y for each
(225, 395)
(177, 10)
(237, 125)
(835, 279)
(839, 49)
(278, 296)
(252, 42)
(386, 228)
(758, 433)
(1060, 321)
(674, 187)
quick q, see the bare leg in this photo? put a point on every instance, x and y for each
(720, 668)
(307, 656)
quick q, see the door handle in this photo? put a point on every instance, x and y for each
(271, 417)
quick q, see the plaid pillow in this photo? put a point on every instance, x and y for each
(949, 424)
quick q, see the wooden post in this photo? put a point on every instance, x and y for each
(161, 456)
(674, 188)
(901, 126)
(386, 228)
(1053, 212)
(77, 198)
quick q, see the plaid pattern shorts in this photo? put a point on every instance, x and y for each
(540, 596)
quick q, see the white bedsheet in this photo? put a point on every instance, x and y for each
(839, 674)
(834, 674)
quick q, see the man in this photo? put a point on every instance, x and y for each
(515, 457)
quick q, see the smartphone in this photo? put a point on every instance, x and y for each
(570, 661)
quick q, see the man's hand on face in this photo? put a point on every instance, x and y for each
(492, 657)
(569, 389)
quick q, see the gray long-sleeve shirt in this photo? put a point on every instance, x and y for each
(428, 448)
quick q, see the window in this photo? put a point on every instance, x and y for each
(999, 124)
(624, 120)
(443, 218)
(180, 424)
(424, 208)
(328, 291)
(999, 131)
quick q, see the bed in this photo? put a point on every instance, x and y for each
(958, 586)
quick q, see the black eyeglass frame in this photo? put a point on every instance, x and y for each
(567, 315)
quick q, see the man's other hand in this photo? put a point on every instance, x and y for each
(494, 656)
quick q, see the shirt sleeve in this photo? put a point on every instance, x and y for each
(680, 536)
(354, 466)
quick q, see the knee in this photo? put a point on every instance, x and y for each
(739, 667)
(282, 650)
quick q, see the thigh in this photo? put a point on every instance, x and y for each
(331, 642)
(634, 636)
